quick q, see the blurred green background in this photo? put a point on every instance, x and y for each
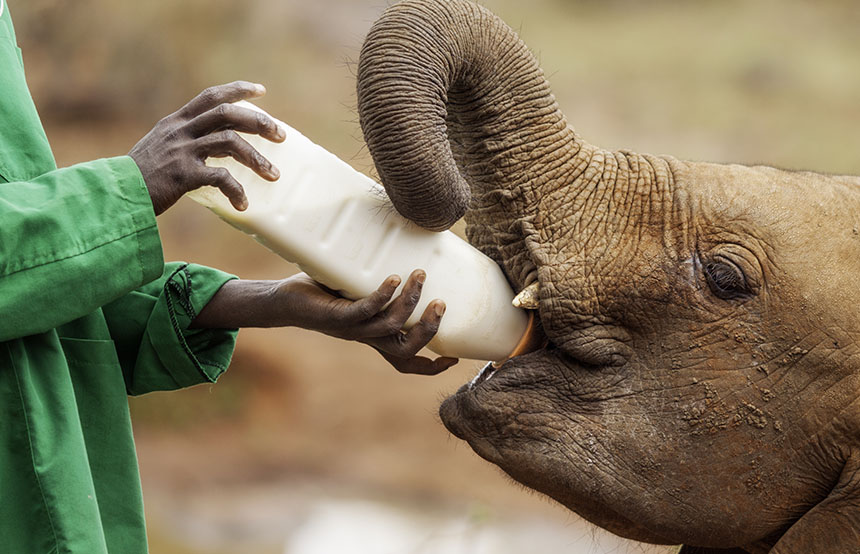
(303, 425)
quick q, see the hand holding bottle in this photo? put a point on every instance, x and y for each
(299, 301)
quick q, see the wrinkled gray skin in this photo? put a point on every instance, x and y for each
(701, 383)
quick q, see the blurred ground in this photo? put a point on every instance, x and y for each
(303, 417)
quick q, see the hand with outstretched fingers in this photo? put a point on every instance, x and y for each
(300, 301)
(172, 156)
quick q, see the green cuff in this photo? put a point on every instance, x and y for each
(133, 189)
(191, 356)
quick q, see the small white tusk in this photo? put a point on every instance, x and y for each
(528, 298)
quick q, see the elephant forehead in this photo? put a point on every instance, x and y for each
(793, 202)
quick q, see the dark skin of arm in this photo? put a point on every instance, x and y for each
(172, 158)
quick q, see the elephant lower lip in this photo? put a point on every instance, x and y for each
(485, 374)
(480, 377)
(449, 412)
(463, 414)
(462, 409)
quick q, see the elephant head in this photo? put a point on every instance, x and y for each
(701, 380)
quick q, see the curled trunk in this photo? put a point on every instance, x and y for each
(456, 111)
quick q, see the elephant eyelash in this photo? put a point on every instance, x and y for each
(726, 280)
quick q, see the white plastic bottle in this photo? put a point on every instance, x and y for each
(340, 228)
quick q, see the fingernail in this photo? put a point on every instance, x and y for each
(280, 134)
(243, 205)
(439, 309)
(394, 280)
(421, 277)
(274, 172)
(260, 88)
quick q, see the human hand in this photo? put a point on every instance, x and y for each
(172, 156)
(302, 302)
(366, 321)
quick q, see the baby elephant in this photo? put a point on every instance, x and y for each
(701, 380)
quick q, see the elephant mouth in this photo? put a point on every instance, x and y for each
(533, 339)
(463, 410)
(483, 375)
(484, 412)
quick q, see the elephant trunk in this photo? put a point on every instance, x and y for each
(452, 104)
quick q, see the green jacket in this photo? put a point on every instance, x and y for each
(89, 312)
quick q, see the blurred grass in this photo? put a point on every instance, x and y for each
(772, 81)
(749, 81)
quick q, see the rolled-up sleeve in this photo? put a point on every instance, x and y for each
(151, 328)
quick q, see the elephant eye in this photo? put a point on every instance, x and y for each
(726, 280)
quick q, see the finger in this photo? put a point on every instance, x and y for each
(221, 178)
(230, 116)
(229, 143)
(407, 345)
(401, 308)
(423, 331)
(221, 94)
(368, 307)
(419, 365)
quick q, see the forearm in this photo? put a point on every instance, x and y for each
(377, 319)
(242, 303)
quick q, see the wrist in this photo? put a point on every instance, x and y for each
(282, 303)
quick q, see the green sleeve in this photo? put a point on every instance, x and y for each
(72, 240)
(150, 327)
